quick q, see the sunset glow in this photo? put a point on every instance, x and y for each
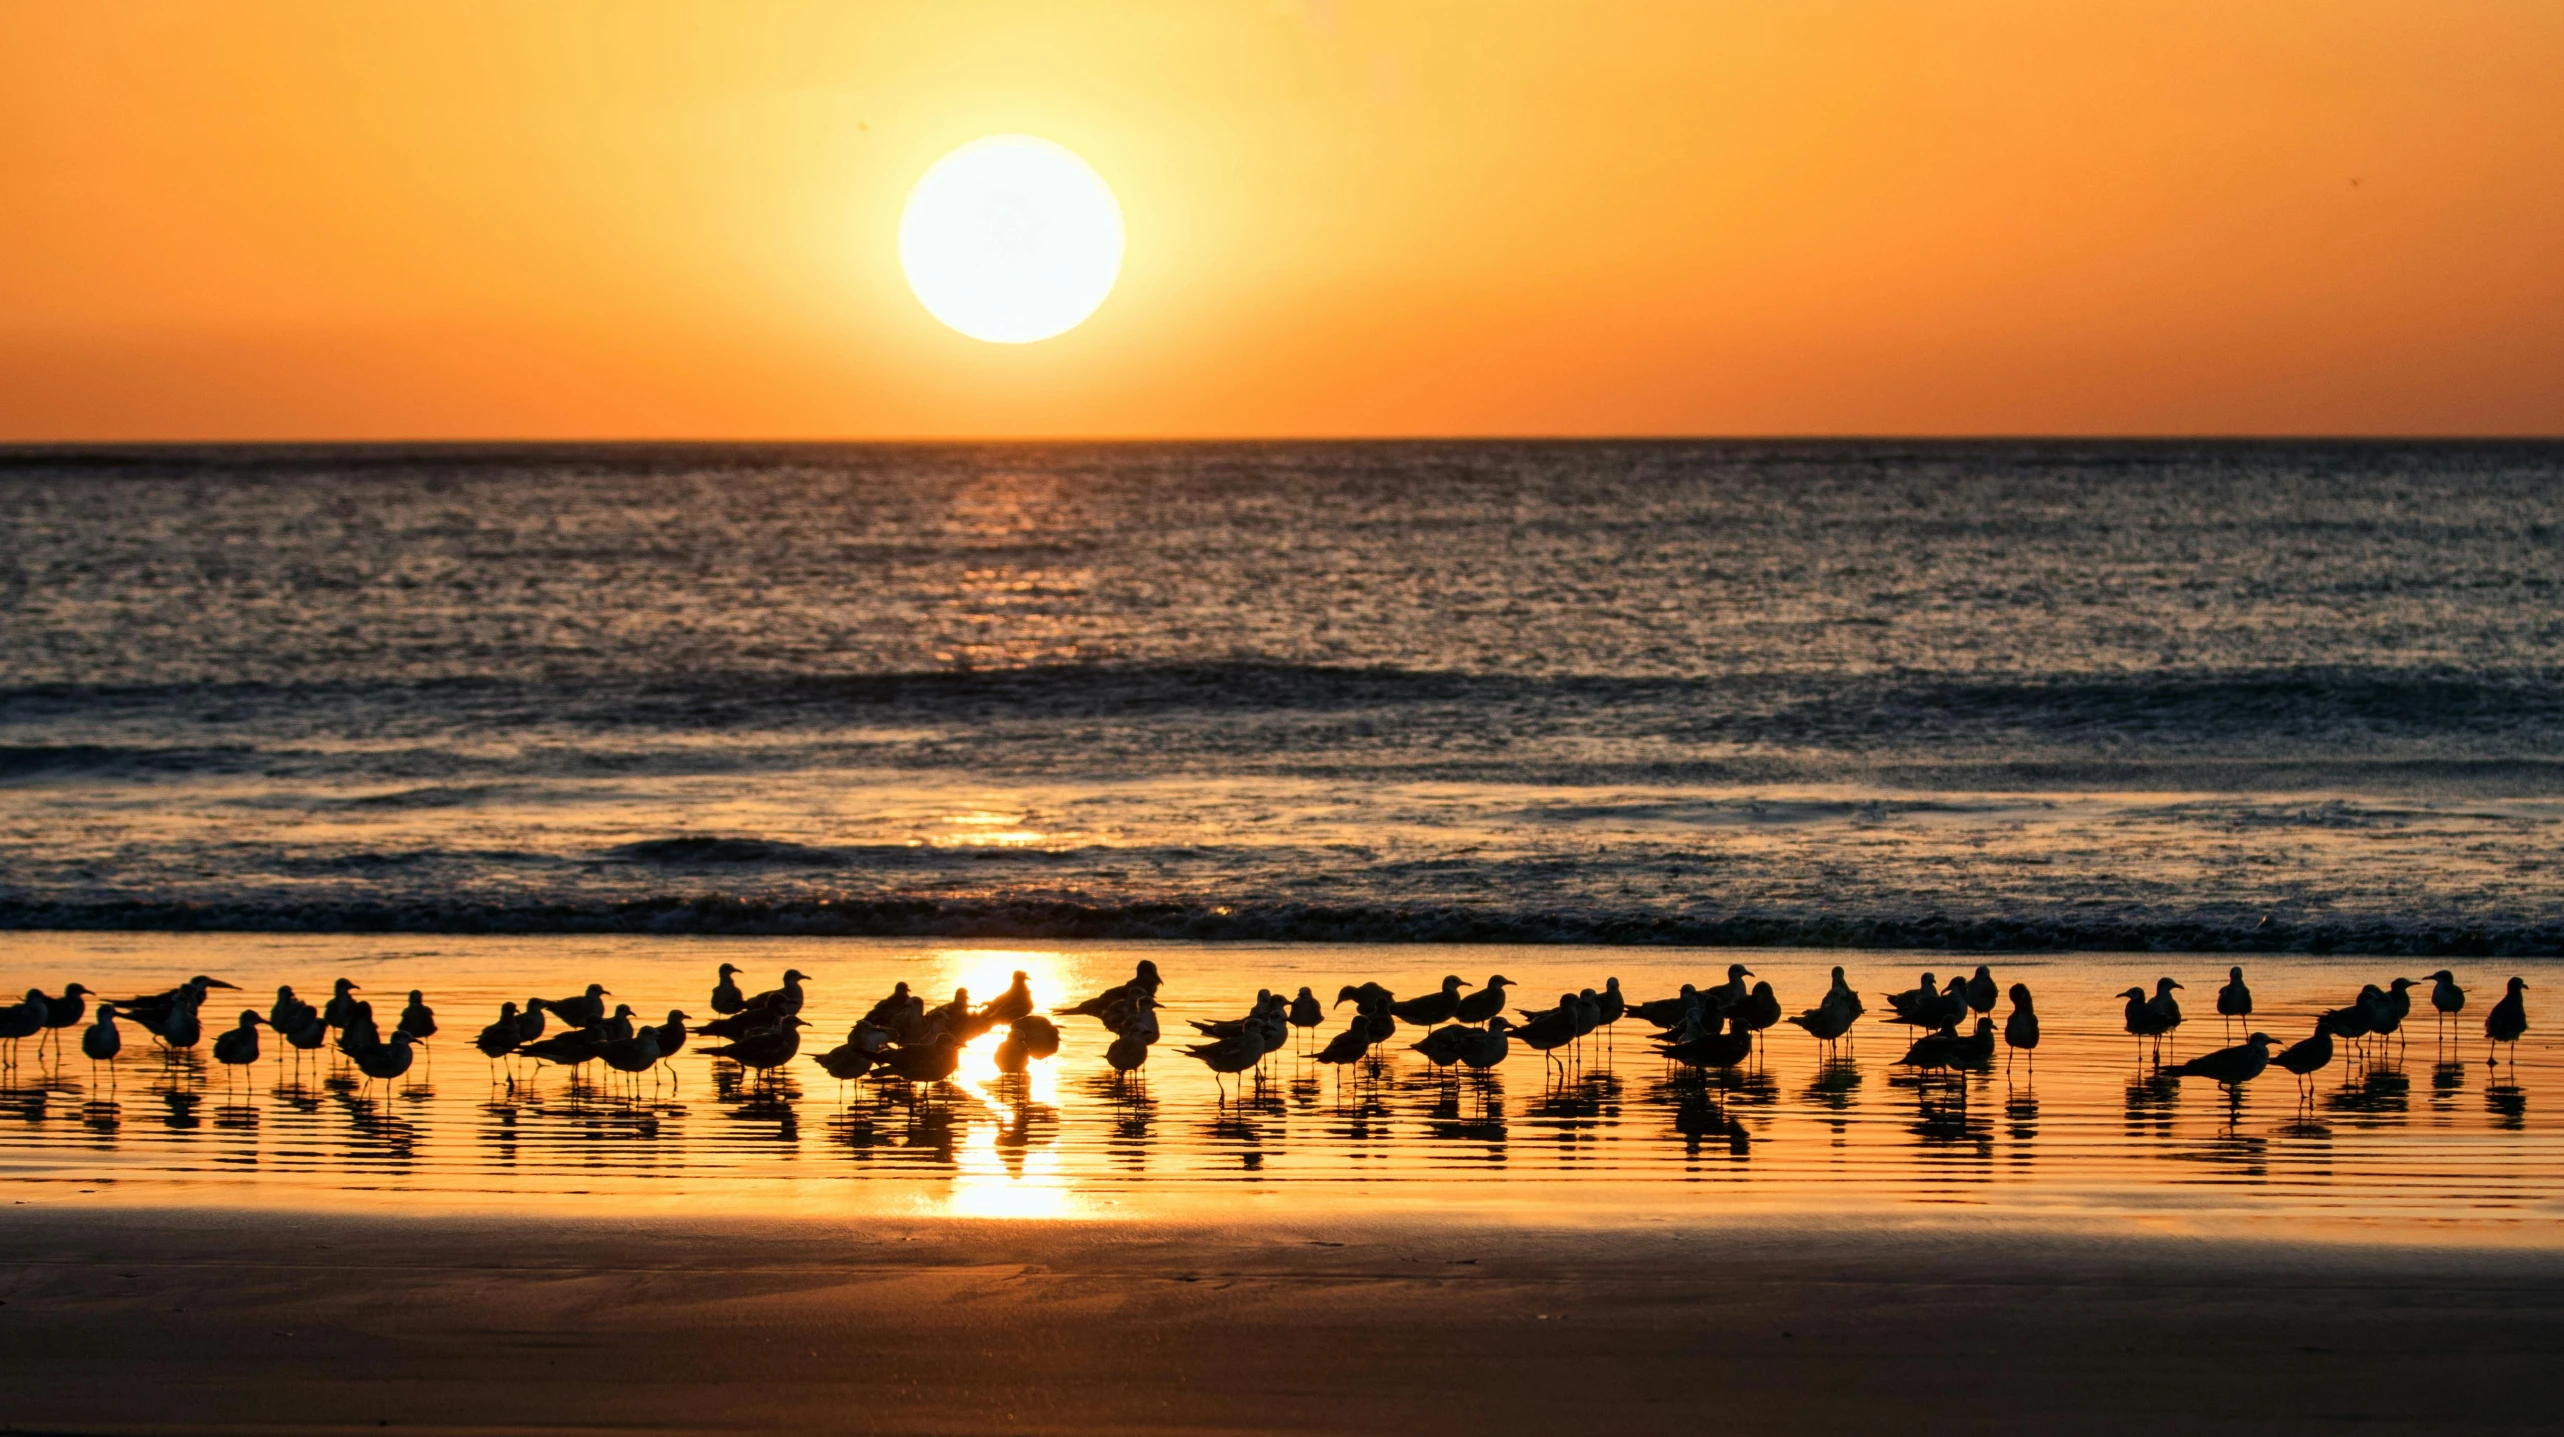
(297, 219)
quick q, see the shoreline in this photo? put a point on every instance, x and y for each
(1248, 923)
(266, 1320)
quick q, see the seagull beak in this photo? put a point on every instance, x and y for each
(219, 983)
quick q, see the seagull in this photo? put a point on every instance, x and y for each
(1443, 1046)
(1759, 1011)
(1825, 1022)
(1934, 1011)
(1980, 991)
(1662, 1012)
(2308, 1056)
(726, 998)
(585, 1011)
(849, 1060)
(418, 1020)
(342, 997)
(2507, 1021)
(2234, 1001)
(22, 1020)
(2446, 998)
(2166, 1008)
(2233, 1067)
(101, 1042)
(786, 1000)
(1841, 994)
(1014, 1003)
(765, 1049)
(890, 1010)
(501, 1037)
(568, 1048)
(2357, 1020)
(1144, 984)
(1231, 1027)
(1905, 1002)
(1137, 1016)
(1306, 1012)
(1732, 992)
(2021, 1030)
(1490, 1045)
(1711, 1049)
(193, 990)
(957, 1018)
(933, 1061)
(239, 1047)
(1234, 1054)
(178, 1027)
(1947, 1050)
(635, 1055)
(1358, 1036)
(2395, 1005)
(1546, 1032)
(311, 1035)
(387, 1061)
(671, 1038)
(1432, 1008)
(64, 1011)
(289, 1011)
(2141, 1018)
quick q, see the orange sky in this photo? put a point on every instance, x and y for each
(443, 219)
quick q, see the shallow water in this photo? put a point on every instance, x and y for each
(2426, 1138)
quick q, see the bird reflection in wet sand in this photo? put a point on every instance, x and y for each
(2378, 1091)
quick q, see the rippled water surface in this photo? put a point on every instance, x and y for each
(2278, 696)
(2427, 1134)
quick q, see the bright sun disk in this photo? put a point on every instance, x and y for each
(1011, 239)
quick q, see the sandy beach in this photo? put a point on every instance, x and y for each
(249, 1320)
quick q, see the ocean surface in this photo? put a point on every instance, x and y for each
(2282, 697)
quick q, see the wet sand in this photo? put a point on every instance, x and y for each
(243, 1319)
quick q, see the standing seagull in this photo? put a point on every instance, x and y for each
(2233, 1067)
(2506, 1022)
(63, 1012)
(726, 998)
(1981, 991)
(22, 1020)
(385, 1061)
(2234, 1001)
(239, 1047)
(2165, 1007)
(1014, 1003)
(1487, 1002)
(2446, 999)
(2307, 1057)
(1432, 1008)
(1825, 1022)
(2021, 1030)
(101, 1042)
(1306, 1012)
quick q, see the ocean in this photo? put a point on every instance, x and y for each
(2282, 697)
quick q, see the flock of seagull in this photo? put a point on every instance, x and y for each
(1699, 1029)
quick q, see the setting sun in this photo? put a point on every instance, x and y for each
(1011, 239)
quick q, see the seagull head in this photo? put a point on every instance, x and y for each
(795, 975)
(2134, 993)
